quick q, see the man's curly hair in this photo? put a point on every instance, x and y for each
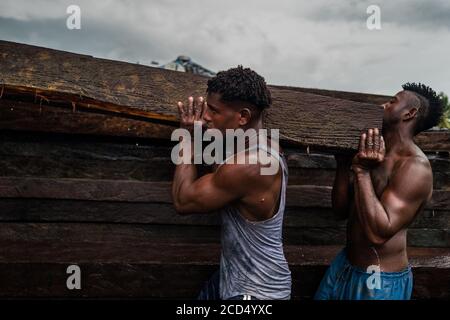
(241, 84)
(430, 107)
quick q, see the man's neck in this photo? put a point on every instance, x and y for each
(257, 126)
(398, 139)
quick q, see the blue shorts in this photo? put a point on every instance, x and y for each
(342, 281)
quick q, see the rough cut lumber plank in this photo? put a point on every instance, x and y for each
(303, 118)
(353, 96)
(429, 238)
(434, 140)
(189, 233)
(48, 210)
(108, 233)
(147, 271)
(85, 189)
(25, 116)
(156, 191)
(314, 120)
(62, 156)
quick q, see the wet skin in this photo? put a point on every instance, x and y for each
(256, 196)
(383, 188)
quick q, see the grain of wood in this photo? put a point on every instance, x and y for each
(303, 118)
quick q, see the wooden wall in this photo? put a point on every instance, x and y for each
(104, 204)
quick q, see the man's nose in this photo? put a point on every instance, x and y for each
(383, 105)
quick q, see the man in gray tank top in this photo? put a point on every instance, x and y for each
(251, 204)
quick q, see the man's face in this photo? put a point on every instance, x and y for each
(396, 107)
(221, 115)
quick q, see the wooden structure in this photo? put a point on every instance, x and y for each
(85, 179)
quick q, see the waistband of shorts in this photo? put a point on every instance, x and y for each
(395, 274)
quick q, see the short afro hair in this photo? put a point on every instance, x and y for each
(241, 84)
(430, 108)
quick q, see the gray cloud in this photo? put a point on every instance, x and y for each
(415, 14)
(322, 44)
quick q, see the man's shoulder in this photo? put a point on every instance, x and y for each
(414, 175)
(247, 168)
(417, 161)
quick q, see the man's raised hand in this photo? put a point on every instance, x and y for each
(371, 151)
(191, 112)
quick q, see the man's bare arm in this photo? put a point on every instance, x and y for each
(406, 192)
(191, 194)
(209, 192)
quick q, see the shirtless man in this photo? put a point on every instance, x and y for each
(251, 205)
(390, 184)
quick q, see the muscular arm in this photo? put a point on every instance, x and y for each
(406, 192)
(211, 191)
(191, 194)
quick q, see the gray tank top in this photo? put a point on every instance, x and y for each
(252, 261)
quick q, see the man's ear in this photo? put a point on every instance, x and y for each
(246, 116)
(410, 114)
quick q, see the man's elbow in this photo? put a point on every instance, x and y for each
(377, 240)
(380, 236)
(180, 203)
(181, 209)
(188, 207)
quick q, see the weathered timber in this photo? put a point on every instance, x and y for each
(313, 120)
(85, 189)
(149, 269)
(353, 96)
(67, 156)
(26, 116)
(434, 140)
(49, 210)
(189, 233)
(303, 118)
(64, 157)
(156, 191)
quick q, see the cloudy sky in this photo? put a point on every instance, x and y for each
(323, 44)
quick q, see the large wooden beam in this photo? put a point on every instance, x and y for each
(62, 156)
(434, 140)
(346, 95)
(27, 116)
(50, 210)
(156, 191)
(81, 81)
(19, 115)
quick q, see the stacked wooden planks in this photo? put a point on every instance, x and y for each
(90, 185)
(105, 205)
